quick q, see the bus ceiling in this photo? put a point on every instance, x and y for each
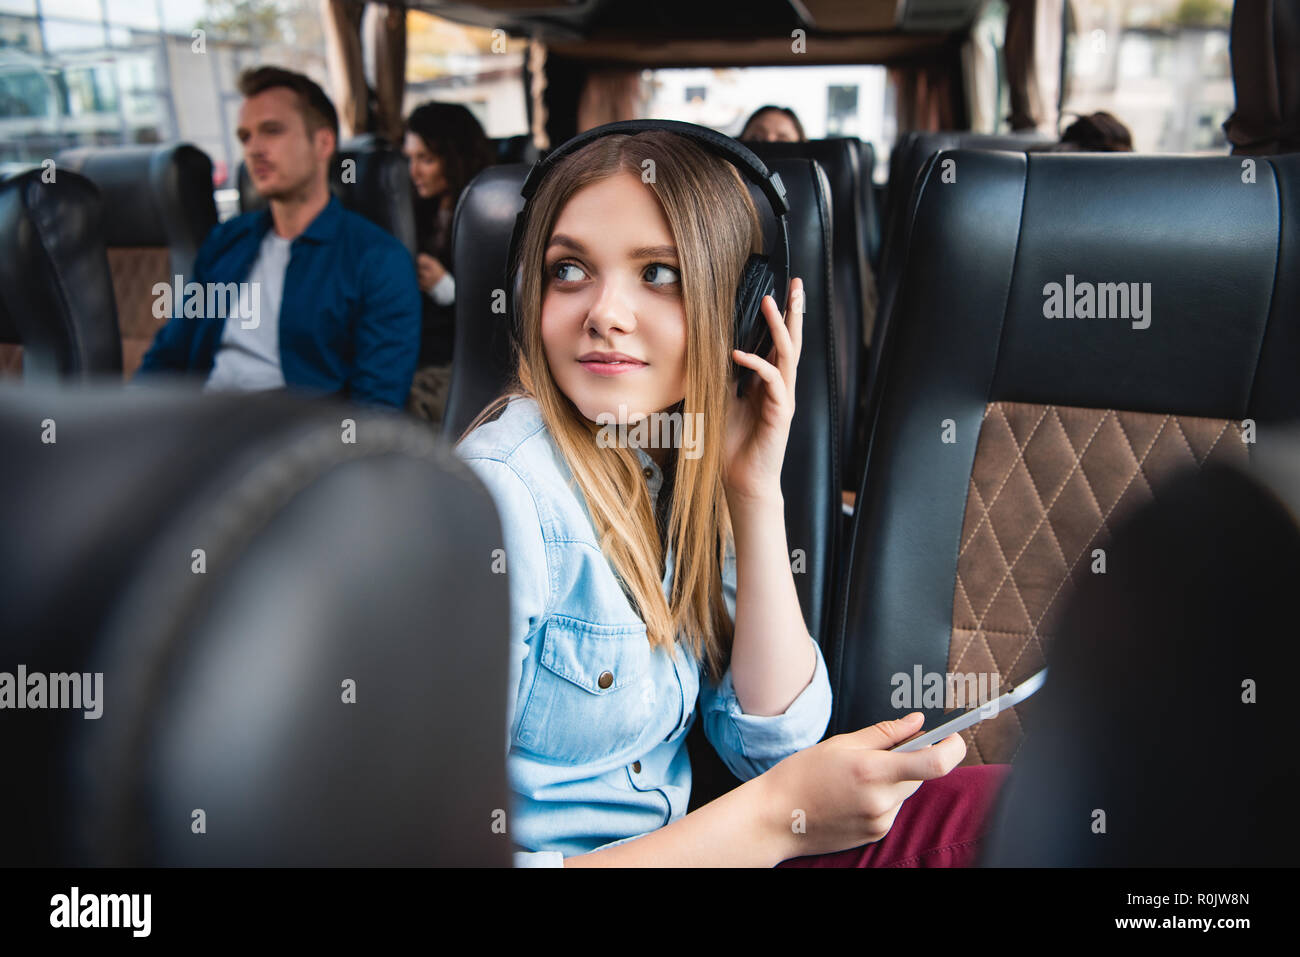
(685, 33)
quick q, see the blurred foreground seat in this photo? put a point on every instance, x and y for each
(1162, 736)
(288, 559)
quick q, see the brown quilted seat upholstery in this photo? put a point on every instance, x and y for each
(1049, 485)
(135, 271)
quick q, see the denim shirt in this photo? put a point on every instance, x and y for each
(596, 721)
(350, 314)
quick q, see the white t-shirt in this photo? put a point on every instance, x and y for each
(248, 360)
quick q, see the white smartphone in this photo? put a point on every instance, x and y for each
(975, 715)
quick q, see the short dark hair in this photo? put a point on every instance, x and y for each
(1098, 132)
(316, 108)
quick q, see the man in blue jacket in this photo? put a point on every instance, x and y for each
(305, 295)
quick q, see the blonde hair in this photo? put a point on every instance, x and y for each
(715, 227)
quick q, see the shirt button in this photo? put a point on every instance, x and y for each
(606, 679)
(636, 766)
(648, 472)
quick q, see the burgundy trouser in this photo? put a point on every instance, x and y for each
(940, 825)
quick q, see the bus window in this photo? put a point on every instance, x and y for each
(1160, 67)
(829, 100)
(478, 68)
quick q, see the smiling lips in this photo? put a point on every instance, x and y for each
(609, 363)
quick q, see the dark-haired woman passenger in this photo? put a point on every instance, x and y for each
(445, 148)
(772, 124)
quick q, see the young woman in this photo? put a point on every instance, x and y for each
(649, 583)
(445, 148)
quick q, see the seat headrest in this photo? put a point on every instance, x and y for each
(244, 568)
(1191, 245)
(482, 355)
(54, 276)
(152, 195)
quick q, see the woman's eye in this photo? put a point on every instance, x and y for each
(660, 275)
(567, 272)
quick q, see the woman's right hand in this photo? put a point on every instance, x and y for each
(849, 787)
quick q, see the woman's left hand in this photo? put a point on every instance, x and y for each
(758, 425)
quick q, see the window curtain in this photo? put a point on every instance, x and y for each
(536, 89)
(980, 68)
(925, 97)
(365, 53)
(608, 96)
(1034, 41)
(385, 44)
(1265, 49)
(343, 60)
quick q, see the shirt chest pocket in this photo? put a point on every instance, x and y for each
(593, 692)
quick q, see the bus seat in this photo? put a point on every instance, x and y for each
(1168, 673)
(369, 177)
(240, 569)
(906, 162)
(56, 293)
(158, 209)
(854, 301)
(1007, 443)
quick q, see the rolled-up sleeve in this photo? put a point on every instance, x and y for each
(750, 744)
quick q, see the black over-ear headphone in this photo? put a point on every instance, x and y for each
(757, 279)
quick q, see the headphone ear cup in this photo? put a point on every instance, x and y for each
(751, 330)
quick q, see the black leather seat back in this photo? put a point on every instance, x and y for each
(1192, 629)
(906, 162)
(840, 160)
(158, 210)
(482, 360)
(369, 177)
(1007, 443)
(54, 278)
(242, 571)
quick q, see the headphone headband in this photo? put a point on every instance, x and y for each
(729, 149)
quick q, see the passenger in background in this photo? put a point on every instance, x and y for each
(446, 148)
(1099, 132)
(772, 124)
(350, 325)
